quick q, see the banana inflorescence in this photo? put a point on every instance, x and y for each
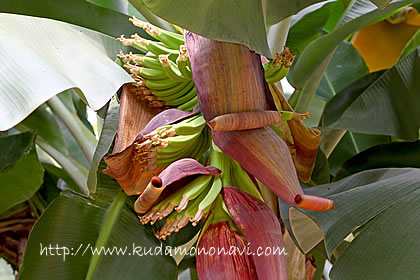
(236, 113)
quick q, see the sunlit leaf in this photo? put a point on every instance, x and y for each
(58, 56)
(103, 18)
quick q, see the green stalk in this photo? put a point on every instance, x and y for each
(308, 91)
(34, 209)
(80, 132)
(354, 142)
(75, 170)
(109, 223)
(38, 204)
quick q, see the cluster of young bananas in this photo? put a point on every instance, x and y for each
(193, 202)
(277, 69)
(163, 74)
(189, 138)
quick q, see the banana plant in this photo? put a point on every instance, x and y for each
(199, 164)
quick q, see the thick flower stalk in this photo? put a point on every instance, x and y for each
(229, 80)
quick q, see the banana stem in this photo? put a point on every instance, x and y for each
(277, 35)
(81, 134)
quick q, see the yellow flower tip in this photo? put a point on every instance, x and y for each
(137, 22)
(164, 60)
(153, 31)
(183, 51)
(125, 41)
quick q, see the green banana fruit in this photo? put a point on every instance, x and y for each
(183, 99)
(178, 90)
(146, 73)
(193, 190)
(182, 63)
(277, 75)
(171, 69)
(190, 105)
(153, 47)
(207, 202)
(191, 127)
(158, 84)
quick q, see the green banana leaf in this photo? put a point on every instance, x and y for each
(338, 10)
(388, 106)
(352, 144)
(278, 10)
(57, 56)
(230, 21)
(312, 58)
(383, 204)
(116, 5)
(321, 173)
(103, 18)
(81, 224)
(357, 9)
(21, 174)
(308, 27)
(381, 3)
(346, 66)
(397, 154)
